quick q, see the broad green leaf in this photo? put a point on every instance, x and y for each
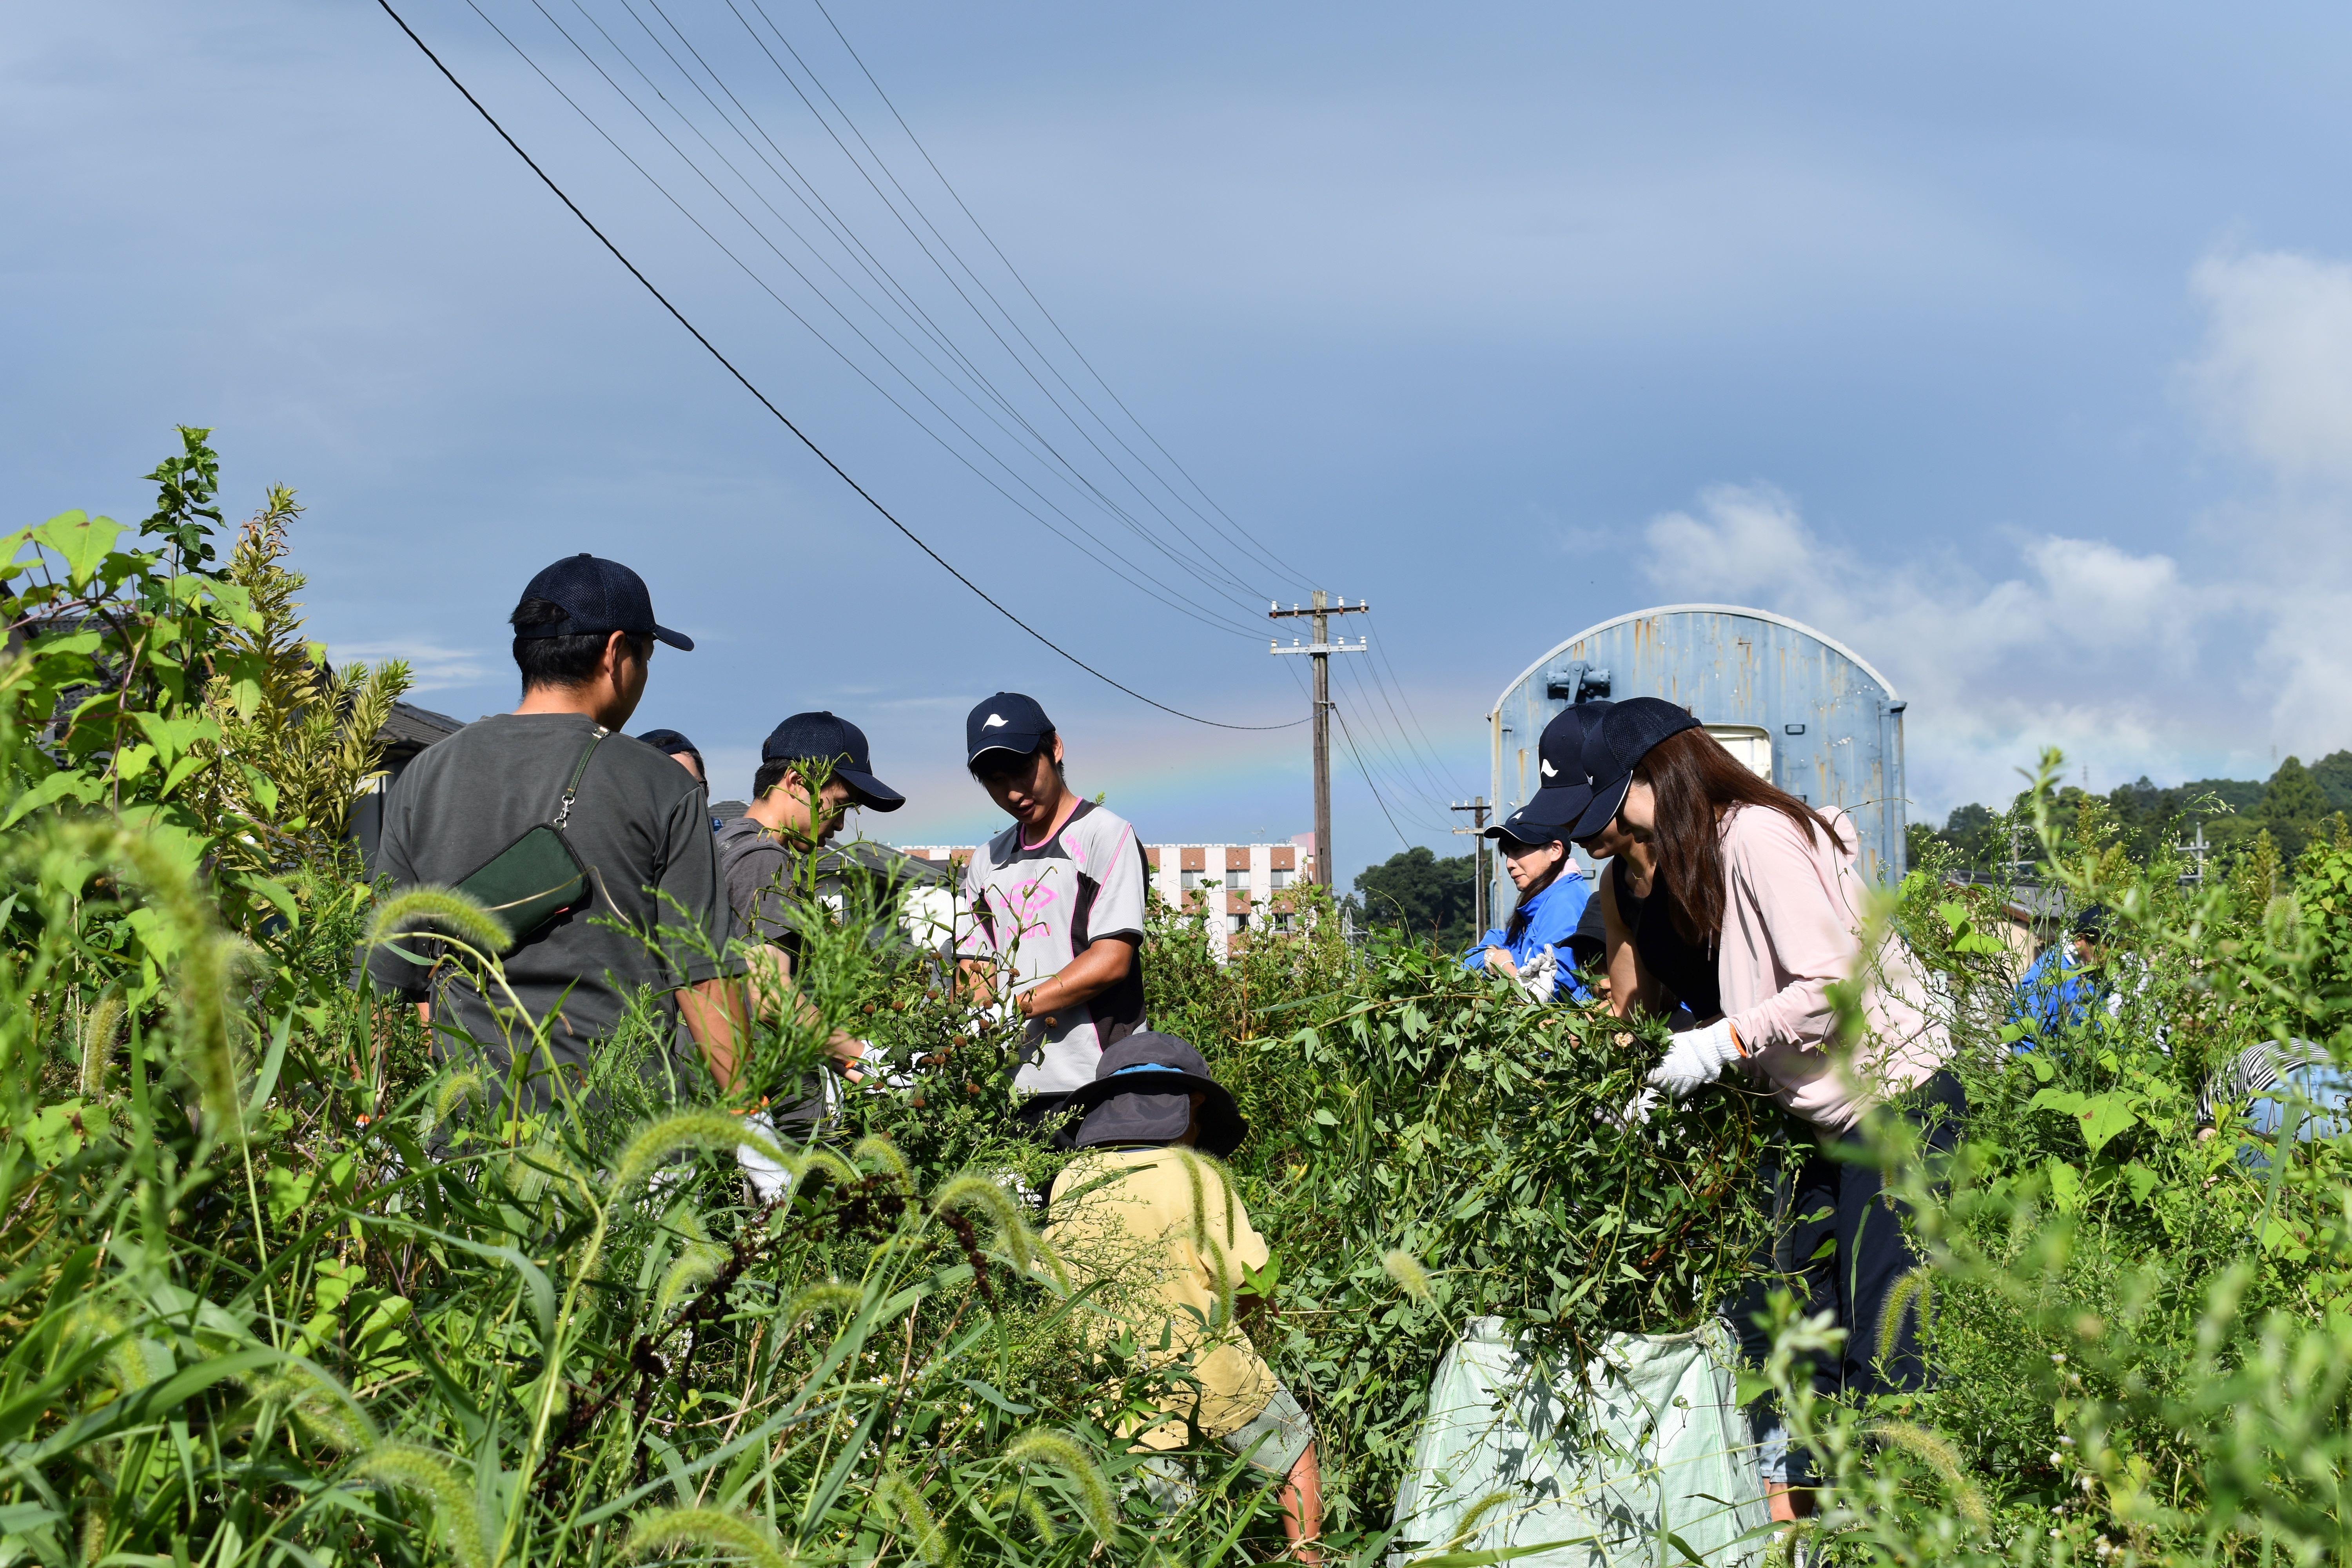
(173, 737)
(2105, 1117)
(57, 787)
(84, 540)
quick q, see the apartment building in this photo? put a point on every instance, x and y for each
(1235, 885)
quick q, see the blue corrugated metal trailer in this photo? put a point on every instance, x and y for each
(1799, 707)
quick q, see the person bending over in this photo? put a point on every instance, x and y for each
(1753, 910)
(1136, 1207)
(812, 768)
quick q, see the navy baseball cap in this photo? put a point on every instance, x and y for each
(1613, 747)
(822, 737)
(598, 596)
(672, 743)
(1565, 793)
(1007, 721)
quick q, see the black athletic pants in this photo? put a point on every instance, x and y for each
(1838, 1246)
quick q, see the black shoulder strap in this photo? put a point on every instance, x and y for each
(571, 790)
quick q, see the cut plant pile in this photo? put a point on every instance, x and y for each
(276, 1289)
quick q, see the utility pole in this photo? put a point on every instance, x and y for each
(1478, 807)
(1320, 650)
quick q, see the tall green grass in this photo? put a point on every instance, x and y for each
(277, 1287)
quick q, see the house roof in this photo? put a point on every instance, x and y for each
(412, 729)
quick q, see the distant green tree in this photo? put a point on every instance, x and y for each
(1417, 892)
(2332, 772)
(2293, 808)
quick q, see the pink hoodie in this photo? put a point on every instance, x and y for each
(1791, 923)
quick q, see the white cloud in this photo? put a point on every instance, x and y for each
(432, 667)
(2077, 649)
(2276, 372)
(2133, 662)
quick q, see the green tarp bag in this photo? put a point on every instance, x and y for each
(1644, 1459)
(537, 879)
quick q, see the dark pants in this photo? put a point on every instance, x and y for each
(1838, 1246)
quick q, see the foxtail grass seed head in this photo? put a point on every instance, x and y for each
(1936, 1452)
(878, 1152)
(450, 914)
(972, 1191)
(903, 1501)
(659, 1142)
(1407, 1271)
(430, 1473)
(1049, 1445)
(678, 1530)
(100, 1031)
(831, 1296)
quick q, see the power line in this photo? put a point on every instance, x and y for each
(1385, 752)
(729, 365)
(1165, 595)
(977, 314)
(1428, 748)
(1356, 753)
(1400, 750)
(1240, 536)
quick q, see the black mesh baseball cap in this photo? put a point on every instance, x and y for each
(598, 596)
(1612, 748)
(824, 738)
(1007, 721)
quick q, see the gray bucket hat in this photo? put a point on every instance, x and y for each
(1142, 1092)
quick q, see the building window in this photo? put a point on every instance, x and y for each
(1236, 924)
(1282, 921)
(1189, 880)
(1277, 879)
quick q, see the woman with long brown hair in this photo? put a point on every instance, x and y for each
(1752, 909)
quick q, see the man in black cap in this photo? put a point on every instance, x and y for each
(1051, 920)
(633, 819)
(812, 768)
(1138, 1209)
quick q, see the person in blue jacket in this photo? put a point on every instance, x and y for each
(1540, 930)
(2065, 985)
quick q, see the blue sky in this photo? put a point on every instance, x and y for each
(2013, 348)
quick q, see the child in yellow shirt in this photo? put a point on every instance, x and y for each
(1139, 1205)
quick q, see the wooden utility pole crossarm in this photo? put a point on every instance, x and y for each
(1320, 650)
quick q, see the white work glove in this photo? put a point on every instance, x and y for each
(1696, 1057)
(769, 1181)
(1636, 1113)
(1538, 975)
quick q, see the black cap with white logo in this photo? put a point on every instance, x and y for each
(1007, 721)
(1564, 794)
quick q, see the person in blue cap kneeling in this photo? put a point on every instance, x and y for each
(1535, 943)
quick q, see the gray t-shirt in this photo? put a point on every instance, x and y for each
(640, 826)
(763, 876)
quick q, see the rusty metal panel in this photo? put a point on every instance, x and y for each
(1835, 723)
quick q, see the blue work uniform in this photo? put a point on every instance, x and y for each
(2058, 995)
(1548, 920)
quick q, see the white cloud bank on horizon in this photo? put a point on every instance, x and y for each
(431, 667)
(2134, 663)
